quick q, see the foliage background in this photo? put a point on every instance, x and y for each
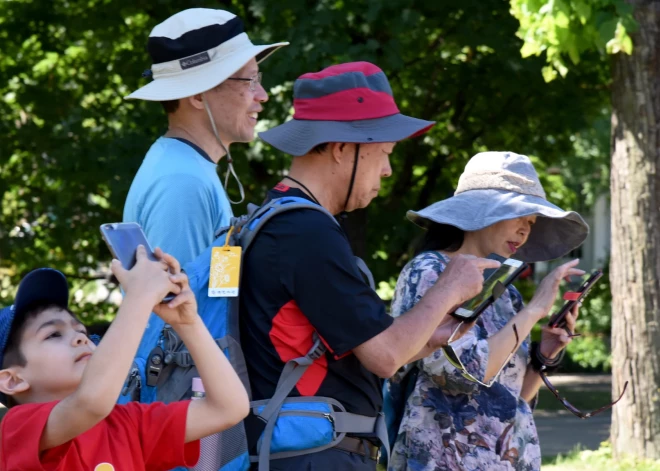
(70, 144)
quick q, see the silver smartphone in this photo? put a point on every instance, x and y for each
(123, 238)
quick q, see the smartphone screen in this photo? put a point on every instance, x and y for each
(123, 240)
(502, 274)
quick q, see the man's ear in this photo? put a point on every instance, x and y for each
(12, 382)
(196, 101)
(337, 151)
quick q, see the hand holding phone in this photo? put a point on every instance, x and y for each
(558, 319)
(497, 279)
(546, 291)
(147, 280)
(123, 240)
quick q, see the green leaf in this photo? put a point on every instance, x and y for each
(571, 28)
(562, 20)
(573, 51)
(530, 49)
(549, 73)
(627, 44)
(608, 29)
(583, 10)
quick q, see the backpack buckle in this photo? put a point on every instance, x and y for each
(155, 365)
(318, 349)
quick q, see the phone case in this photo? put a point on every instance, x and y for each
(557, 319)
(123, 239)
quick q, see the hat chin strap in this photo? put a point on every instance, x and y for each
(344, 213)
(230, 166)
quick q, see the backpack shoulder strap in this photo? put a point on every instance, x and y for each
(366, 272)
(261, 216)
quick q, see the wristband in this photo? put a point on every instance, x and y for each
(538, 359)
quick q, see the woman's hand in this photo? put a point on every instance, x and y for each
(554, 340)
(546, 293)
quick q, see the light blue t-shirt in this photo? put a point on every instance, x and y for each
(177, 198)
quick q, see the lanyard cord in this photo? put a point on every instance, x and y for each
(344, 214)
(304, 188)
(230, 166)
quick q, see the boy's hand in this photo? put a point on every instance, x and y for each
(182, 309)
(147, 278)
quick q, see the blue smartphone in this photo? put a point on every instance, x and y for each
(123, 238)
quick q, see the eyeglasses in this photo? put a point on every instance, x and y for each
(453, 358)
(255, 81)
(571, 408)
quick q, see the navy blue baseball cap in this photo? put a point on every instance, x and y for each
(39, 287)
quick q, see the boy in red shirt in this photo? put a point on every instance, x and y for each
(62, 389)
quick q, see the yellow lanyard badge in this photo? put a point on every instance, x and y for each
(225, 270)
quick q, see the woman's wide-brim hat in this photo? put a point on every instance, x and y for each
(498, 186)
(346, 103)
(194, 51)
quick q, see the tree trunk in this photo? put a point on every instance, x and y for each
(635, 264)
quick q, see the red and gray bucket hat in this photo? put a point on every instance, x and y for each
(348, 103)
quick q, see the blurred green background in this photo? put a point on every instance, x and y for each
(70, 144)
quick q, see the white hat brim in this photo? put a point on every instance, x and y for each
(202, 78)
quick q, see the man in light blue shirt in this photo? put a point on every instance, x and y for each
(206, 75)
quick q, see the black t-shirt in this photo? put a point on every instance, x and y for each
(300, 276)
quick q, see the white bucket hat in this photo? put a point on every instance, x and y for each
(498, 186)
(195, 50)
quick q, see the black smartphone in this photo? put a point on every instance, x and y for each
(123, 238)
(497, 278)
(557, 319)
(489, 271)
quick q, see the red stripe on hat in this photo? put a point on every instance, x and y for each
(422, 131)
(366, 68)
(348, 105)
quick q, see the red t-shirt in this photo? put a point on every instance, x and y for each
(134, 437)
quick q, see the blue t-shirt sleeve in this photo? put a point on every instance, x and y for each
(179, 215)
(328, 287)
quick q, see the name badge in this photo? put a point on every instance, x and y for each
(225, 272)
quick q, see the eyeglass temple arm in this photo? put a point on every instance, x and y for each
(571, 408)
(604, 408)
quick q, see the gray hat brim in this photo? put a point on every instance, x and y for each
(555, 233)
(297, 137)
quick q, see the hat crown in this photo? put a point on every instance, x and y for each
(352, 91)
(189, 20)
(192, 32)
(341, 77)
(501, 171)
(195, 50)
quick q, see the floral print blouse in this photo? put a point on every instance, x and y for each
(451, 423)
